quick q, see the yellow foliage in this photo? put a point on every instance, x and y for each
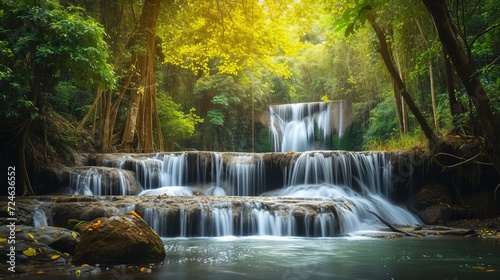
(30, 252)
(74, 234)
(243, 35)
(3, 239)
(55, 257)
(30, 235)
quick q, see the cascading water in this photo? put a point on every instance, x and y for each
(39, 218)
(293, 126)
(349, 185)
(306, 126)
(245, 175)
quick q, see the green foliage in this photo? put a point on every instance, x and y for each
(383, 122)
(354, 17)
(215, 117)
(44, 44)
(176, 125)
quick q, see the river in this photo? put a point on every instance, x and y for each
(294, 258)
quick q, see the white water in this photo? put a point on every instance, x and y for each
(245, 175)
(353, 183)
(305, 126)
(39, 218)
(169, 191)
(94, 181)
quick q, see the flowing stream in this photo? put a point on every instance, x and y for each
(318, 236)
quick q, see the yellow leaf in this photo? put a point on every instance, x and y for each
(78, 271)
(30, 235)
(55, 257)
(85, 264)
(3, 239)
(30, 252)
(143, 269)
(135, 214)
(74, 234)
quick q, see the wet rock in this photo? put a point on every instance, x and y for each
(63, 211)
(119, 240)
(84, 269)
(27, 252)
(59, 239)
(436, 214)
(431, 195)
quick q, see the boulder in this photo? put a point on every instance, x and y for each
(28, 252)
(123, 239)
(59, 239)
(436, 214)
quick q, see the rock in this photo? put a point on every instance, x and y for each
(430, 195)
(124, 239)
(436, 214)
(59, 239)
(28, 251)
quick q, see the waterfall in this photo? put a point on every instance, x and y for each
(368, 172)
(245, 175)
(100, 181)
(306, 126)
(87, 183)
(331, 193)
(39, 218)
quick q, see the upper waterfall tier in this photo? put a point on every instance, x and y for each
(308, 126)
(235, 174)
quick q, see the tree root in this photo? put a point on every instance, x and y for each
(391, 226)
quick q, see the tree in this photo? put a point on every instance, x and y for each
(469, 76)
(39, 42)
(142, 102)
(351, 20)
(138, 88)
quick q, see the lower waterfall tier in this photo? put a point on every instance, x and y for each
(225, 216)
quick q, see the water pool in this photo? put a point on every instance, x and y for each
(293, 258)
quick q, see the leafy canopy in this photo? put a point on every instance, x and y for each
(230, 36)
(46, 43)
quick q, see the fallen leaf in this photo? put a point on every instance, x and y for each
(135, 214)
(30, 252)
(74, 234)
(3, 239)
(55, 257)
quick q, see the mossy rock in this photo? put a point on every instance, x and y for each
(124, 239)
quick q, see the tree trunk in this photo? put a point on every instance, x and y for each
(399, 106)
(431, 81)
(456, 107)
(139, 115)
(384, 51)
(490, 122)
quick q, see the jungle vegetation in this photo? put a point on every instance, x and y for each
(166, 75)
